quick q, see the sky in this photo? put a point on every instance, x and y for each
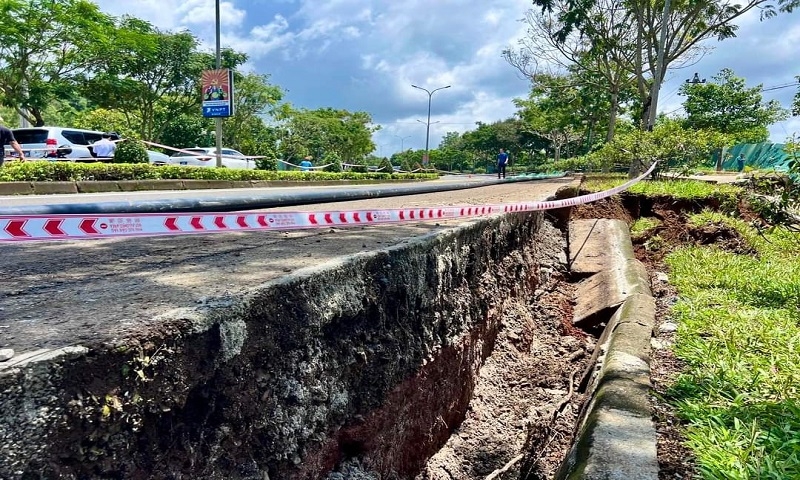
(364, 55)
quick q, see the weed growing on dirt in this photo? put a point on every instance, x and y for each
(739, 336)
(642, 225)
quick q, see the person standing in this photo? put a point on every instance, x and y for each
(305, 165)
(7, 138)
(104, 148)
(502, 161)
(740, 162)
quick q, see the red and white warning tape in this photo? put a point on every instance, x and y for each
(17, 228)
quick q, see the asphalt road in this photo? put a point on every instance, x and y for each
(19, 200)
(91, 292)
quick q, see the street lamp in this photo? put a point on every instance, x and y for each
(401, 141)
(428, 125)
(695, 79)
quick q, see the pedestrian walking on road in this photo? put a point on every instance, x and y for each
(502, 161)
(7, 138)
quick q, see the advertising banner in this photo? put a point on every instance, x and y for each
(217, 93)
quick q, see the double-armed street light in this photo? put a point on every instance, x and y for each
(695, 79)
(428, 124)
(402, 139)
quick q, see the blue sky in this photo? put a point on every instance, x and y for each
(365, 54)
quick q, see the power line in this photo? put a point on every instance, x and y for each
(778, 87)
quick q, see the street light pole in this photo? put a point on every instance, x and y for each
(218, 120)
(402, 149)
(428, 125)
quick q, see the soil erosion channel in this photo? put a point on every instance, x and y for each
(451, 355)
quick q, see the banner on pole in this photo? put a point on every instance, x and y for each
(218, 93)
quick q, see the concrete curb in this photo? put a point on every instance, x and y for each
(617, 437)
(106, 186)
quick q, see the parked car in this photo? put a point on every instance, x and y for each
(207, 157)
(62, 143)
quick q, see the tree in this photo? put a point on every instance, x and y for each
(728, 106)
(675, 146)
(318, 132)
(105, 121)
(150, 75)
(601, 60)
(688, 24)
(45, 47)
(796, 102)
(255, 98)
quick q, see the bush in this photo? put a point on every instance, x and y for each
(386, 166)
(131, 151)
(44, 171)
(267, 163)
(359, 169)
(333, 161)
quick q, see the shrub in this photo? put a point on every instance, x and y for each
(131, 151)
(386, 166)
(268, 162)
(333, 163)
(44, 171)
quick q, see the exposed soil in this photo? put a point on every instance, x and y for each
(651, 246)
(525, 406)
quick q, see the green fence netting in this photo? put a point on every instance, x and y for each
(762, 156)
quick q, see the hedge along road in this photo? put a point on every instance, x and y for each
(92, 292)
(229, 199)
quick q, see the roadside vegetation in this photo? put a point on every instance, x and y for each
(737, 396)
(68, 171)
(739, 337)
(678, 189)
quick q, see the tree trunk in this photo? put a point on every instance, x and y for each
(612, 116)
(37, 116)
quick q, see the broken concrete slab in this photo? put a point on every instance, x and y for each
(598, 295)
(596, 245)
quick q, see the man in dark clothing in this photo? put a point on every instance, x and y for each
(740, 162)
(7, 138)
(502, 161)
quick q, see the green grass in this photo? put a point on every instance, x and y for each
(739, 335)
(678, 189)
(69, 171)
(642, 225)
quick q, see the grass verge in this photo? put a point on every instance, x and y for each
(739, 336)
(678, 189)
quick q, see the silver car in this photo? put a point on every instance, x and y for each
(61, 143)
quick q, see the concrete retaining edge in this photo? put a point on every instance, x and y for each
(617, 437)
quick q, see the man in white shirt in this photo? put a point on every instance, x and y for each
(104, 148)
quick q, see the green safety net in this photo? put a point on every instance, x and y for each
(762, 156)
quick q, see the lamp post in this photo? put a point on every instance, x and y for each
(402, 149)
(695, 79)
(428, 125)
(218, 120)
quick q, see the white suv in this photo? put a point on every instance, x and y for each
(60, 143)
